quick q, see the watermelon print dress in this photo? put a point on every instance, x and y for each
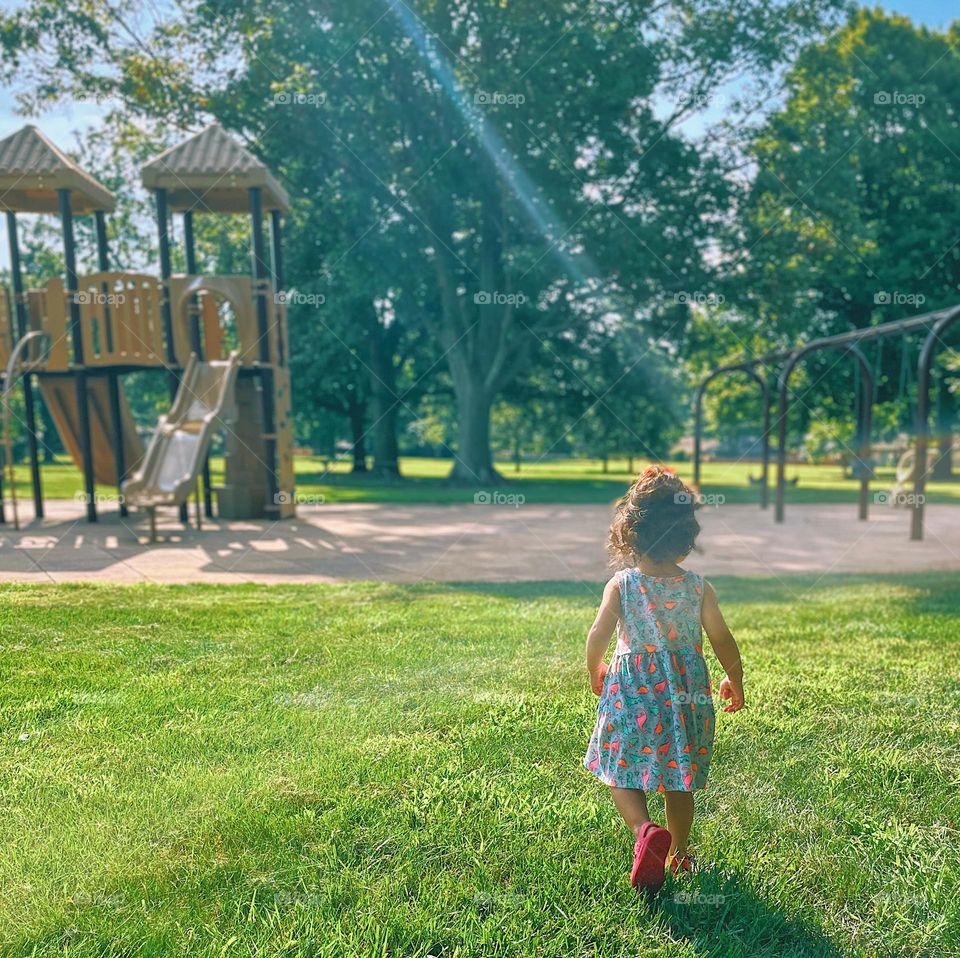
(655, 717)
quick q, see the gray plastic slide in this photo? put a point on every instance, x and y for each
(204, 403)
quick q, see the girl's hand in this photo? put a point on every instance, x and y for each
(733, 691)
(597, 678)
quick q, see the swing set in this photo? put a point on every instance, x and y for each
(912, 469)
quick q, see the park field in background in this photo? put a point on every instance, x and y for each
(370, 769)
(552, 481)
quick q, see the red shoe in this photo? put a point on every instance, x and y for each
(682, 863)
(650, 858)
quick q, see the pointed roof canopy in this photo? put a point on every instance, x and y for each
(32, 170)
(211, 172)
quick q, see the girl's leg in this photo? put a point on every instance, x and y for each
(679, 807)
(632, 805)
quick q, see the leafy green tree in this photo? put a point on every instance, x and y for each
(851, 217)
(513, 151)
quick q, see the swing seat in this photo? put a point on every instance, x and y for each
(758, 480)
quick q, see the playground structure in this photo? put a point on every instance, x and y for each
(98, 327)
(912, 473)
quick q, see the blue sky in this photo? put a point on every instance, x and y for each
(931, 13)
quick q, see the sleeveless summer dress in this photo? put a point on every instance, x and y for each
(655, 717)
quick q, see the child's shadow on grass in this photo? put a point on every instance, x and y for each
(722, 917)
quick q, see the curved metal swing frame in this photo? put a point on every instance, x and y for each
(747, 367)
(924, 367)
(935, 323)
(864, 420)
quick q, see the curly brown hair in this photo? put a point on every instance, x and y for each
(654, 519)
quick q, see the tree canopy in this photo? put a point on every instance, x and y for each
(530, 204)
(494, 173)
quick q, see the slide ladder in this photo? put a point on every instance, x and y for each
(174, 458)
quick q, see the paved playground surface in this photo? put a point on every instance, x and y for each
(410, 543)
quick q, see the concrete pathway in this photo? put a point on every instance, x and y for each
(411, 543)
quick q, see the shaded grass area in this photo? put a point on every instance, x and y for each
(369, 769)
(555, 481)
(584, 480)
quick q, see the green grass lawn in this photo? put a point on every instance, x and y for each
(556, 481)
(373, 770)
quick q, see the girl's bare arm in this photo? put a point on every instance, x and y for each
(598, 638)
(725, 647)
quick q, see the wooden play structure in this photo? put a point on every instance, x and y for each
(98, 327)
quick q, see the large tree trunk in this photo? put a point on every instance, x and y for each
(386, 402)
(473, 462)
(386, 451)
(476, 335)
(358, 431)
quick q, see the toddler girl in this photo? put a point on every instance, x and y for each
(655, 719)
